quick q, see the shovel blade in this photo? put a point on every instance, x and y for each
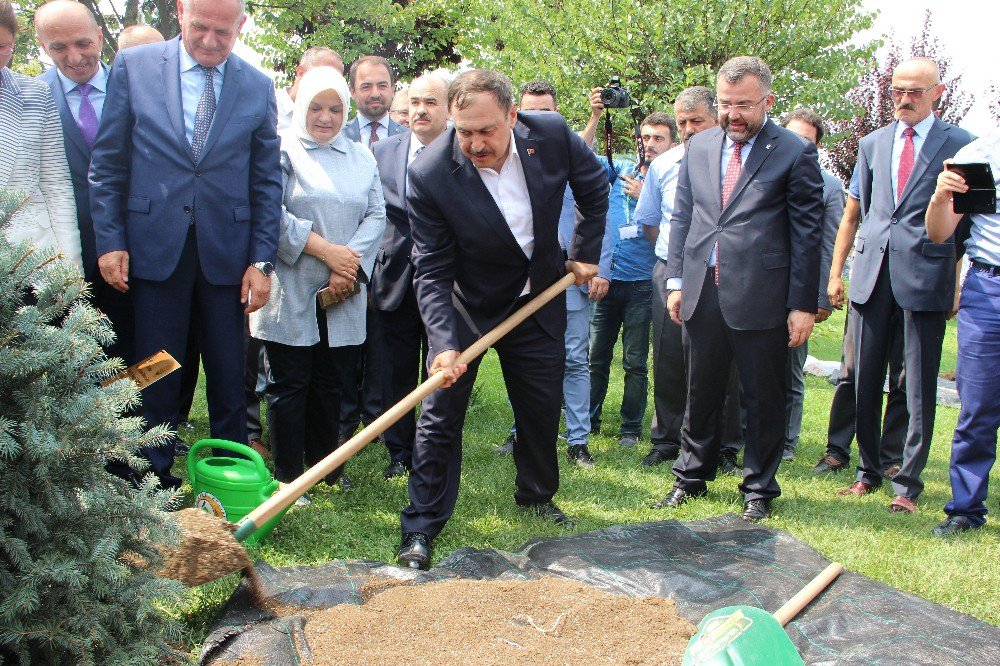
(741, 636)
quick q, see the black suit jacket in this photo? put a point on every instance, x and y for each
(469, 269)
(769, 233)
(393, 274)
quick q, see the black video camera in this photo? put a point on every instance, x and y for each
(615, 96)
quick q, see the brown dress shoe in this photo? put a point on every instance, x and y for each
(259, 447)
(902, 504)
(858, 489)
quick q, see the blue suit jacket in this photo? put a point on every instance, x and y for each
(78, 157)
(922, 273)
(145, 183)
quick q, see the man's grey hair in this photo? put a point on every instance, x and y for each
(691, 98)
(736, 68)
(480, 81)
(243, 6)
(314, 53)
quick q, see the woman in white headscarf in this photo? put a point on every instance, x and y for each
(333, 215)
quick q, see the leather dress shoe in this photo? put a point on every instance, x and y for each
(677, 497)
(345, 483)
(180, 449)
(507, 448)
(258, 445)
(628, 441)
(395, 468)
(549, 511)
(171, 482)
(788, 454)
(891, 471)
(728, 464)
(580, 456)
(415, 551)
(902, 504)
(756, 510)
(858, 489)
(828, 463)
(954, 525)
(655, 457)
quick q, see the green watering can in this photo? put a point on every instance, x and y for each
(230, 488)
(750, 636)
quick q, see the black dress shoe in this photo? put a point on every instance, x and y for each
(756, 510)
(728, 464)
(180, 449)
(656, 456)
(828, 463)
(549, 511)
(580, 455)
(415, 551)
(507, 448)
(171, 482)
(953, 525)
(396, 468)
(677, 497)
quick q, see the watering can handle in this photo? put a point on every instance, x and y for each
(258, 461)
(804, 597)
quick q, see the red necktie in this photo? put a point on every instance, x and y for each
(374, 135)
(905, 162)
(733, 170)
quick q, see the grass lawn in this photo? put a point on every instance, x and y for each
(363, 523)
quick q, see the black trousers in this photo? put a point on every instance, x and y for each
(403, 337)
(711, 347)
(532, 362)
(843, 410)
(875, 323)
(304, 402)
(361, 400)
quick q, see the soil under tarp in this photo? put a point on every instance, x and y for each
(701, 565)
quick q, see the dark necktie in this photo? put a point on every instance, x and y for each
(733, 170)
(905, 162)
(86, 118)
(206, 111)
(374, 135)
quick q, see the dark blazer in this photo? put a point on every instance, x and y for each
(352, 130)
(769, 234)
(78, 157)
(393, 274)
(145, 182)
(467, 264)
(921, 272)
(833, 210)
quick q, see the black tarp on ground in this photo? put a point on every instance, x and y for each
(702, 565)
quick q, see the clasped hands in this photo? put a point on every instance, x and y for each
(344, 264)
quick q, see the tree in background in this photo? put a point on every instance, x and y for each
(659, 48)
(871, 97)
(76, 544)
(414, 35)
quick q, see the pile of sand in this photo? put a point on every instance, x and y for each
(545, 621)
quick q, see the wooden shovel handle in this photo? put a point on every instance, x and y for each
(794, 606)
(295, 489)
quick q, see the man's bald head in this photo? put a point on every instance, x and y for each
(137, 35)
(68, 33)
(916, 87)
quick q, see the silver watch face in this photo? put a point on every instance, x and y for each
(264, 267)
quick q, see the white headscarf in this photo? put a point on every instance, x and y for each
(314, 82)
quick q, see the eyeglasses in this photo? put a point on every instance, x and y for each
(742, 108)
(898, 93)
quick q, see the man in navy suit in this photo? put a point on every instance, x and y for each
(484, 203)
(186, 201)
(902, 283)
(743, 275)
(68, 33)
(392, 291)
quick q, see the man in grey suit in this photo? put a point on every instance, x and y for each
(743, 274)
(900, 278)
(392, 281)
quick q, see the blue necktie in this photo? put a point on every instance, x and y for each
(205, 113)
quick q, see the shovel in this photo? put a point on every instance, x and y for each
(211, 554)
(750, 636)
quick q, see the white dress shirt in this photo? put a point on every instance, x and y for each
(99, 88)
(285, 107)
(509, 190)
(192, 86)
(415, 147)
(898, 141)
(365, 127)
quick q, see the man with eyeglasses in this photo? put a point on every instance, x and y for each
(743, 274)
(902, 282)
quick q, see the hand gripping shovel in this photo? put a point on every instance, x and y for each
(200, 559)
(749, 636)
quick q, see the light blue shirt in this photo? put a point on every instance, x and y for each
(899, 140)
(632, 257)
(99, 88)
(193, 85)
(984, 243)
(656, 201)
(364, 125)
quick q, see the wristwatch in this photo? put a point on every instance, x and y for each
(265, 267)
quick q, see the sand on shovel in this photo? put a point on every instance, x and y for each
(208, 551)
(544, 621)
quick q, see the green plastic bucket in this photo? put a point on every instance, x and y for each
(230, 488)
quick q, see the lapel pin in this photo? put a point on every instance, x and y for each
(530, 151)
(767, 147)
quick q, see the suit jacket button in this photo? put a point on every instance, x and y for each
(894, 220)
(881, 249)
(187, 209)
(197, 174)
(719, 228)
